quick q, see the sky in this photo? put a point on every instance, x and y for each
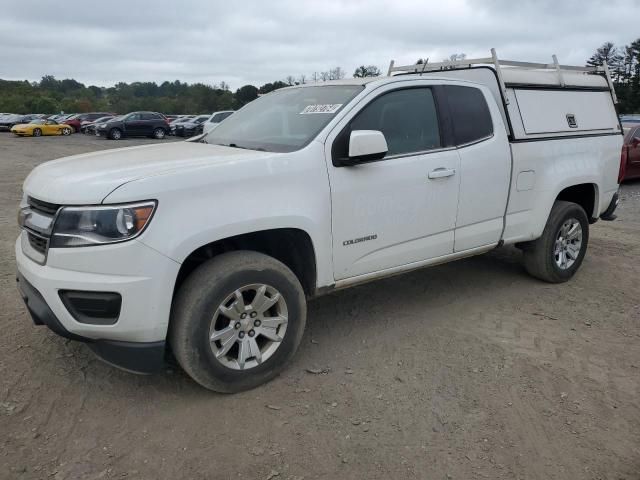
(253, 42)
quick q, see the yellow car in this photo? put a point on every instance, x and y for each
(40, 126)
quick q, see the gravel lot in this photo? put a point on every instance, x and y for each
(467, 370)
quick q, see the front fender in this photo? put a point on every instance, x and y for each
(198, 206)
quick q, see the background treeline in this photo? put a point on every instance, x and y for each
(624, 67)
(51, 95)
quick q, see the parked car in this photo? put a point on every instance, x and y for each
(89, 126)
(173, 125)
(214, 247)
(630, 117)
(40, 126)
(135, 124)
(75, 121)
(190, 127)
(630, 167)
(213, 121)
(8, 121)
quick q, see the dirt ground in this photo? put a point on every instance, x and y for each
(462, 371)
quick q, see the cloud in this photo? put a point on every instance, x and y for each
(257, 41)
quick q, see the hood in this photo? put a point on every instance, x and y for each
(90, 177)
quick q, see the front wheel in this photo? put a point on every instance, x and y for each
(237, 320)
(556, 256)
(159, 133)
(66, 131)
(115, 134)
(37, 132)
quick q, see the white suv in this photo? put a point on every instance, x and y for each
(214, 120)
(212, 247)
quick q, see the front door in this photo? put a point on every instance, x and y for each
(401, 209)
(134, 125)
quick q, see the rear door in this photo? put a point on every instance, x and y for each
(150, 121)
(400, 209)
(485, 165)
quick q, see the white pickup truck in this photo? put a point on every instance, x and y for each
(211, 248)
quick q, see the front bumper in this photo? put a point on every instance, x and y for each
(143, 277)
(136, 357)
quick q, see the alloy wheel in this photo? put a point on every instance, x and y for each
(568, 244)
(248, 326)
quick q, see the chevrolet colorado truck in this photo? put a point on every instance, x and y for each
(210, 248)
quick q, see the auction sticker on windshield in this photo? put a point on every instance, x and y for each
(327, 108)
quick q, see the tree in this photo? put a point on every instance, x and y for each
(336, 74)
(368, 71)
(611, 55)
(246, 94)
(270, 87)
(606, 53)
(624, 65)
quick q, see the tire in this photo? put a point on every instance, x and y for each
(66, 131)
(159, 133)
(115, 134)
(37, 132)
(197, 313)
(541, 257)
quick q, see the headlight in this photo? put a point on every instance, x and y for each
(85, 226)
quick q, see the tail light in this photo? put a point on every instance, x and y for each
(624, 155)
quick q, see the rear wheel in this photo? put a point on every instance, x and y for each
(159, 133)
(37, 132)
(66, 131)
(237, 320)
(115, 134)
(556, 256)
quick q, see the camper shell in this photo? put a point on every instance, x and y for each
(537, 101)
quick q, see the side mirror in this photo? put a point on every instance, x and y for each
(367, 145)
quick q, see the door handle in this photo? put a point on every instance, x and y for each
(441, 173)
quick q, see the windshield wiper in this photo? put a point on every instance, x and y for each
(235, 145)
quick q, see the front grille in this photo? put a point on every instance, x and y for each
(37, 243)
(43, 207)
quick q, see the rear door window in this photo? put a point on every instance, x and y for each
(470, 114)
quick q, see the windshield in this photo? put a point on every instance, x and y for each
(284, 120)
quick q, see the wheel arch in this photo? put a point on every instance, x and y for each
(292, 246)
(584, 194)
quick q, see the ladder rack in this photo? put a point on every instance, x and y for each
(498, 64)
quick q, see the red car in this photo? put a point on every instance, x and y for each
(630, 166)
(76, 120)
